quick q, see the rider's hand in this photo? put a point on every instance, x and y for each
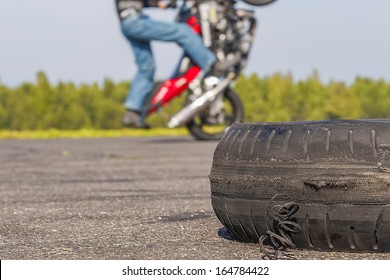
(162, 5)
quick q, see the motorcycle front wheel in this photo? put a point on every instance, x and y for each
(259, 2)
(201, 128)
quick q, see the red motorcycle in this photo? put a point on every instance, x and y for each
(211, 105)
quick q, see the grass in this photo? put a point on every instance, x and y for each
(91, 133)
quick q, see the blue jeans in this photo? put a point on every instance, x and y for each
(140, 30)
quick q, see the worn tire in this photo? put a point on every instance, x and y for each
(337, 172)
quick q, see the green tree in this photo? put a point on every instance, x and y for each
(274, 98)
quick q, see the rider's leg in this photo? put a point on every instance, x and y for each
(142, 83)
(180, 33)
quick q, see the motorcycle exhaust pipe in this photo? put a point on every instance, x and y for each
(188, 112)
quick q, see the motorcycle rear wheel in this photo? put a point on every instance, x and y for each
(234, 112)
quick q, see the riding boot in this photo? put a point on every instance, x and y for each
(134, 119)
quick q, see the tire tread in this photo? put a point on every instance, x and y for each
(335, 170)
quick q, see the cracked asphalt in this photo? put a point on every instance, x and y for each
(116, 198)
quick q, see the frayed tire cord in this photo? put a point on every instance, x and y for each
(280, 228)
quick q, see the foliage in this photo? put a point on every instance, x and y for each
(66, 106)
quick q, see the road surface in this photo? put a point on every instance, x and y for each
(116, 198)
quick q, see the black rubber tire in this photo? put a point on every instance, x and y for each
(259, 2)
(197, 130)
(337, 172)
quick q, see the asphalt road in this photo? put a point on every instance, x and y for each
(117, 198)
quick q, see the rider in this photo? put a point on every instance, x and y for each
(140, 30)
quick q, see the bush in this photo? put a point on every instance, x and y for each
(41, 106)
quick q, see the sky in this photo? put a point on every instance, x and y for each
(80, 41)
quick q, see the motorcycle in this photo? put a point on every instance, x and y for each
(211, 105)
